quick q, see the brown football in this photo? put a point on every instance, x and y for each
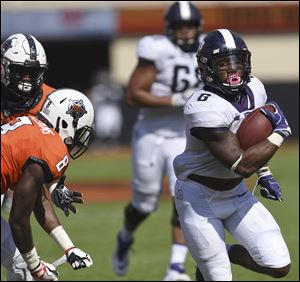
(255, 128)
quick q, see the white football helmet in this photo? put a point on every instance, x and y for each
(71, 114)
(23, 65)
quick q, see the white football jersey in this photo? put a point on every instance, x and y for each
(207, 109)
(176, 73)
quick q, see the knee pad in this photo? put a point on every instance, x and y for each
(175, 218)
(133, 217)
(145, 203)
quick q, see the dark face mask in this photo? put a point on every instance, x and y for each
(21, 86)
(188, 45)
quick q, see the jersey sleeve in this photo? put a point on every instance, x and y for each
(213, 113)
(50, 152)
(259, 89)
(52, 165)
(206, 119)
(56, 156)
(148, 49)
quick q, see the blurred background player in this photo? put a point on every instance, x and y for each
(40, 153)
(23, 65)
(106, 97)
(164, 78)
(210, 192)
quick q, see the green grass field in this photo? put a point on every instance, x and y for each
(95, 227)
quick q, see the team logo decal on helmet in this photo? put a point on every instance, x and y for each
(71, 114)
(76, 109)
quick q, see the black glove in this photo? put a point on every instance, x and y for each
(78, 258)
(63, 198)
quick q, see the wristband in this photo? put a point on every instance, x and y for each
(276, 139)
(66, 251)
(233, 167)
(31, 258)
(60, 236)
(52, 187)
(263, 171)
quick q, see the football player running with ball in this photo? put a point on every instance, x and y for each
(164, 78)
(210, 192)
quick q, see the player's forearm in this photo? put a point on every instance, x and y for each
(48, 220)
(147, 99)
(21, 232)
(45, 214)
(255, 157)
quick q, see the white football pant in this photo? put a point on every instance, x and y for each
(204, 213)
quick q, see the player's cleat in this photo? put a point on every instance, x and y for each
(120, 259)
(198, 275)
(176, 272)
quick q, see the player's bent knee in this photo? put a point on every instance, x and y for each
(133, 217)
(145, 203)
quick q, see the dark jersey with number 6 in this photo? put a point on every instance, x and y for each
(25, 140)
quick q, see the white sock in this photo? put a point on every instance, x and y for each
(125, 234)
(178, 254)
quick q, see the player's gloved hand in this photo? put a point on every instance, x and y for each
(188, 93)
(269, 187)
(78, 258)
(63, 198)
(44, 272)
(278, 120)
(179, 99)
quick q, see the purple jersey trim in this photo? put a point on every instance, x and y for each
(246, 97)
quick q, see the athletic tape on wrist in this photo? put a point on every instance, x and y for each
(276, 139)
(52, 187)
(263, 171)
(60, 236)
(31, 258)
(233, 167)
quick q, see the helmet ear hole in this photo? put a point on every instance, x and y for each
(69, 107)
(64, 124)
